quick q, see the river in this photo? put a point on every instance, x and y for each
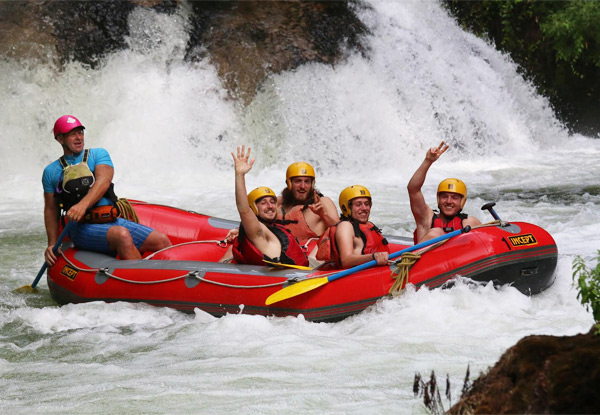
(170, 127)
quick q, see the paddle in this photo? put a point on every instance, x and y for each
(31, 288)
(279, 264)
(312, 283)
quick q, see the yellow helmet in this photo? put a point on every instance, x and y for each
(297, 169)
(454, 186)
(257, 194)
(350, 193)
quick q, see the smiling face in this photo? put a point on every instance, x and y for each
(72, 142)
(449, 203)
(267, 208)
(301, 188)
(360, 209)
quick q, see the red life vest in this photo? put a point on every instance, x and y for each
(369, 233)
(296, 223)
(245, 252)
(437, 222)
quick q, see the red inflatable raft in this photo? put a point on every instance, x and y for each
(188, 276)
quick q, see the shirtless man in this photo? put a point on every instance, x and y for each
(354, 240)
(301, 208)
(260, 239)
(451, 198)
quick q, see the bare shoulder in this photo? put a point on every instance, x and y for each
(472, 221)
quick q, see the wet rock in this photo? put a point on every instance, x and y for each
(540, 375)
(24, 33)
(246, 40)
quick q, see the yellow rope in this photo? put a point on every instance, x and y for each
(127, 211)
(400, 274)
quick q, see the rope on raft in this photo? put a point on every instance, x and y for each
(127, 211)
(408, 259)
(400, 274)
(193, 274)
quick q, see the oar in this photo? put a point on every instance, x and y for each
(31, 288)
(312, 283)
(279, 264)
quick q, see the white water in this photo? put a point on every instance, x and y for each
(170, 129)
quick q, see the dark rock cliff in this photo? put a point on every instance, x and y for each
(246, 40)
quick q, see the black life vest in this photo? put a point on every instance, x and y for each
(245, 252)
(369, 233)
(75, 182)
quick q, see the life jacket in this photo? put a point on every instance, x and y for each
(437, 222)
(245, 252)
(296, 223)
(76, 181)
(369, 233)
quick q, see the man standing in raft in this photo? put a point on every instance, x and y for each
(451, 198)
(354, 240)
(260, 239)
(302, 209)
(80, 184)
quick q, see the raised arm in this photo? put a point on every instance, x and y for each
(420, 210)
(242, 165)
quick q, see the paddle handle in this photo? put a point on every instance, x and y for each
(398, 253)
(55, 250)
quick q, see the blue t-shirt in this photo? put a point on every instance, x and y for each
(53, 171)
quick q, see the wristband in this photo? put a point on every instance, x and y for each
(373, 256)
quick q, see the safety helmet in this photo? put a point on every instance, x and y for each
(454, 186)
(65, 124)
(297, 169)
(257, 194)
(350, 193)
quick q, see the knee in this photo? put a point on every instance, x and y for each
(155, 241)
(162, 240)
(119, 234)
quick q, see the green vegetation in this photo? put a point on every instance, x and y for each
(556, 44)
(588, 283)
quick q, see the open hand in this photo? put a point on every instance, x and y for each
(242, 164)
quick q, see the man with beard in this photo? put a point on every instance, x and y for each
(260, 238)
(451, 198)
(302, 209)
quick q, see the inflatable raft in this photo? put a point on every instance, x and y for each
(188, 275)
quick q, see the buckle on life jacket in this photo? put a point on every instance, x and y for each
(102, 214)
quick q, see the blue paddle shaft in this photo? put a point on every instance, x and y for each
(398, 253)
(55, 250)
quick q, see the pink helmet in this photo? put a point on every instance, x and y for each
(65, 124)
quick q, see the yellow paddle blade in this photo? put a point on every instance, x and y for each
(279, 264)
(296, 289)
(26, 289)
